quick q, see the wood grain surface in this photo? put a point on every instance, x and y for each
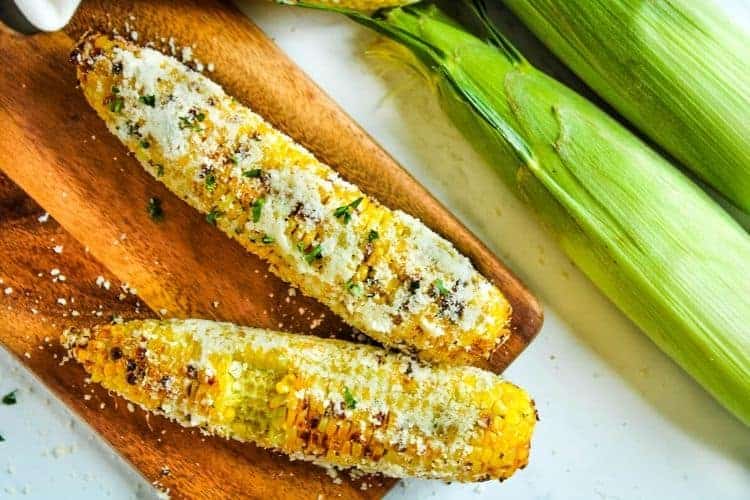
(183, 461)
(59, 152)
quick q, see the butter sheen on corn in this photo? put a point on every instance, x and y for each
(332, 402)
(381, 270)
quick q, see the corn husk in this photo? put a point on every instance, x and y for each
(679, 70)
(648, 237)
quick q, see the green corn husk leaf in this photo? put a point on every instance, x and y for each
(677, 69)
(649, 238)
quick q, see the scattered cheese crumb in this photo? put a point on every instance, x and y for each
(8, 290)
(58, 249)
(43, 218)
(62, 301)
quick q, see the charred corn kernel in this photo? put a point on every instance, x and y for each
(328, 401)
(381, 270)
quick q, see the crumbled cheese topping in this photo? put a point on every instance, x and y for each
(399, 401)
(274, 197)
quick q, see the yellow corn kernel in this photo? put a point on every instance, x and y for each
(321, 399)
(382, 271)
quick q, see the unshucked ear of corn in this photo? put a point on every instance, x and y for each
(678, 69)
(383, 271)
(652, 241)
(332, 402)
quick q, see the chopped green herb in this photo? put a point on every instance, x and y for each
(154, 209)
(1, 438)
(210, 182)
(346, 211)
(354, 288)
(10, 398)
(212, 216)
(441, 287)
(258, 208)
(372, 236)
(115, 105)
(267, 239)
(192, 122)
(252, 174)
(414, 286)
(301, 247)
(351, 403)
(115, 90)
(148, 100)
(315, 253)
(159, 170)
(145, 144)
(234, 159)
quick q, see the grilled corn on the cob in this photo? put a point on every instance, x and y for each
(362, 5)
(382, 270)
(329, 401)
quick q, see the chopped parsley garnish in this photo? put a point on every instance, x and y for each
(192, 122)
(267, 239)
(414, 286)
(115, 90)
(345, 212)
(148, 100)
(349, 400)
(210, 182)
(315, 253)
(159, 170)
(441, 287)
(145, 144)
(258, 208)
(234, 159)
(1, 438)
(252, 174)
(354, 288)
(212, 216)
(154, 209)
(372, 236)
(10, 398)
(116, 103)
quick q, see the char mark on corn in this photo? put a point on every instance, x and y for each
(381, 270)
(328, 401)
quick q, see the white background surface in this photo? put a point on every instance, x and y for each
(618, 419)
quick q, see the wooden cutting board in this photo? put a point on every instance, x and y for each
(60, 153)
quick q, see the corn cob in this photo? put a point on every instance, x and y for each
(381, 270)
(333, 402)
(648, 237)
(361, 5)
